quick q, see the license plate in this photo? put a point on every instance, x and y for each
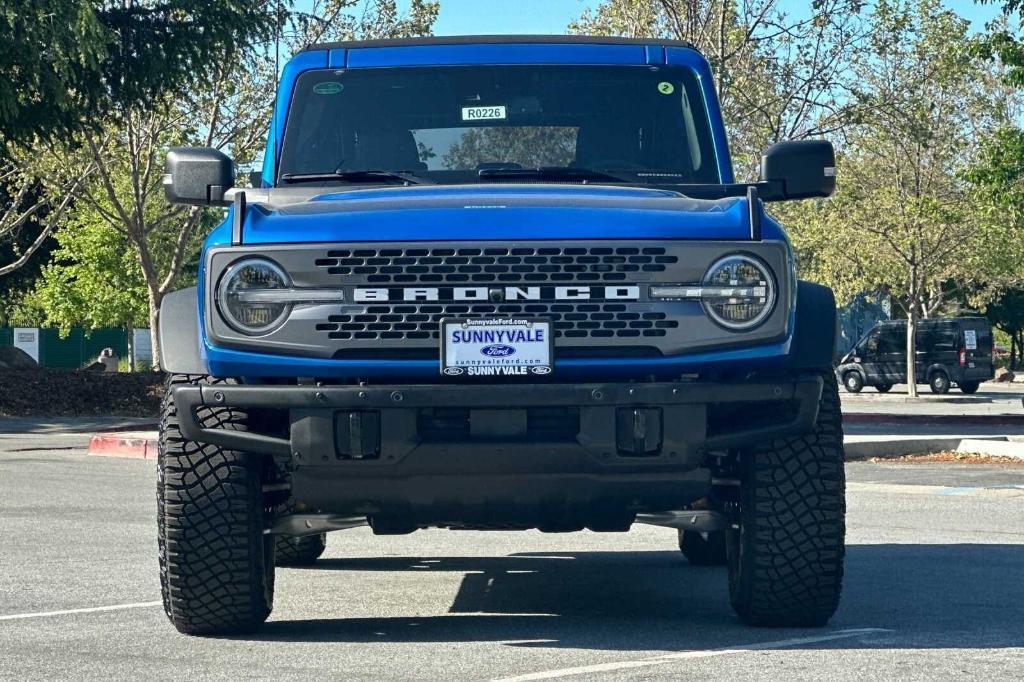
(496, 347)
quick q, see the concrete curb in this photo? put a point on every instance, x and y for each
(897, 447)
(129, 444)
(933, 419)
(992, 448)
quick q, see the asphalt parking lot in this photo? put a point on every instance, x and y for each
(933, 590)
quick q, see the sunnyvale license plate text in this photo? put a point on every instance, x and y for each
(501, 347)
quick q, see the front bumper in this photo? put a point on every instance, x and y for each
(692, 412)
(548, 455)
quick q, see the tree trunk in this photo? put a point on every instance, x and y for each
(130, 344)
(155, 297)
(912, 352)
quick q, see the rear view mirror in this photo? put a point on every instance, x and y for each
(800, 169)
(197, 175)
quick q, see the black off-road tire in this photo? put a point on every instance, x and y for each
(786, 559)
(853, 382)
(703, 549)
(302, 551)
(939, 382)
(216, 565)
(970, 386)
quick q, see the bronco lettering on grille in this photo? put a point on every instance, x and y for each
(483, 293)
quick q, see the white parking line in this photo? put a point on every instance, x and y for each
(683, 655)
(941, 490)
(69, 612)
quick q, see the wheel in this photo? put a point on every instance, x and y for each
(969, 386)
(939, 382)
(852, 382)
(786, 558)
(703, 549)
(302, 551)
(216, 565)
(883, 388)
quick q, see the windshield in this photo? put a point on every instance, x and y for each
(447, 124)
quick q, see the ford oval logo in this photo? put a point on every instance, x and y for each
(541, 369)
(453, 371)
(498, 350)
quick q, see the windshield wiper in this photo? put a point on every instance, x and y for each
(368, 175)
(547, 173)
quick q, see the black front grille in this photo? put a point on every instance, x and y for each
(499, 265)
(420, 321)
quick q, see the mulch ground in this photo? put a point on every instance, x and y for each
(950, 457)
(67, 393)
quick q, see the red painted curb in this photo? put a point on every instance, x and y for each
(130, 444)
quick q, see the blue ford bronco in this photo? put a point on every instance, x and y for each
(499, 283)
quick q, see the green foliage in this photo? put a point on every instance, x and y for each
(94, 282)
(67, 61)
(1007, 314)
(122, 247)
(904, 222)
(51, 60)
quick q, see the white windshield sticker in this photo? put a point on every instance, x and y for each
(484, 113)
(971, 339)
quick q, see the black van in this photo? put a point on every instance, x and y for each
(950, 350)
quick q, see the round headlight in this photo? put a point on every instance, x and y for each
(245, 296)
(739, 292)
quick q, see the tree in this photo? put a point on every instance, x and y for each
(903, 222)
(70, 65)
(777, 77)
(1007, 313)
(65, 62)
(92, 282)
(122, 195)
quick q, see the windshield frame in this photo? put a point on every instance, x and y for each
(705, 112)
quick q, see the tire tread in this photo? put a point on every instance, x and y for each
(794, 509)
(213, 555)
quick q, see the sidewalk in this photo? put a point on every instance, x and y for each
(66, 425)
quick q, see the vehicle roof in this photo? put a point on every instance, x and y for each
(498, 40)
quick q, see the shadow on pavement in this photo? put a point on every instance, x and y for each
(929, 596)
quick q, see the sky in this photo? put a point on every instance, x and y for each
(552, 16)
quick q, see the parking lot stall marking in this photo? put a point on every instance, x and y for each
(71, 612)
(940, 490)
(696, 653)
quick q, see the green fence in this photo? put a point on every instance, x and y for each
(78, 349)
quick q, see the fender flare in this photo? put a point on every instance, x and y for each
(814, 334)
(851, 368)
(180, 343)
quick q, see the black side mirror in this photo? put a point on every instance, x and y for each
(799, 169)
(197, 175)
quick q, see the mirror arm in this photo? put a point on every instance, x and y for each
(238, 219)
(754, 208)
(771, 190)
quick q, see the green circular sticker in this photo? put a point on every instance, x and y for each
(666, 88)
(328, 88)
